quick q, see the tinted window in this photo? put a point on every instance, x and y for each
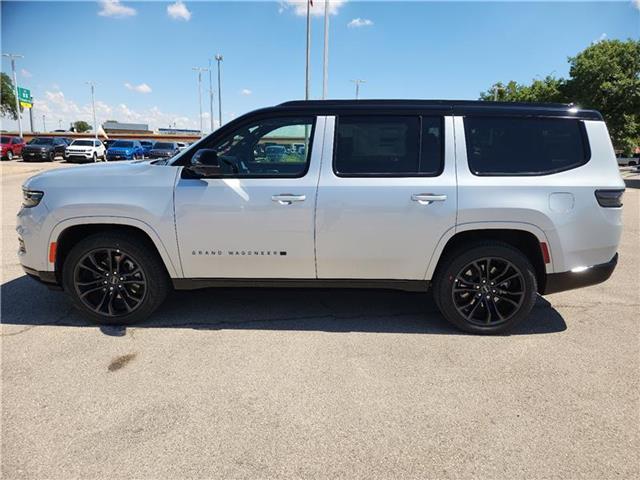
(122, 144)
(164, 145)
(82, 143)
(524, 146)
(388, 145)
(266, 148)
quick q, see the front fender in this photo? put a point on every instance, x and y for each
(167, 252)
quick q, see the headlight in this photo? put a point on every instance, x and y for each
(31, 198)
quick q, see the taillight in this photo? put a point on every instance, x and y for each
(609, 198)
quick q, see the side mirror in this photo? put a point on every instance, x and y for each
(205, 163)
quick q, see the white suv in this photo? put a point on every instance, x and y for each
(487, 203)
(85, 150)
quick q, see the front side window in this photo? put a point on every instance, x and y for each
(274, 147)
(388, 146)
(524, 146)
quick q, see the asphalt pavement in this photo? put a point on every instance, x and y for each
(257, 383)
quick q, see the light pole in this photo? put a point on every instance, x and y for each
(211, 94)
(358, 82)
(44, 124)
(13, 57)
(93, 107)
(219, 59)
(200, 70)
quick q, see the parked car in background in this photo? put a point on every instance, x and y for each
(147, 145)
(85, 150)
(275, 153)
(44, 148)
(629, 161)
(125, 150)
(164, 150)
(107, 143)
(11, 146)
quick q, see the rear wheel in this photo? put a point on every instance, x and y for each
(114, 278)
(488, 288)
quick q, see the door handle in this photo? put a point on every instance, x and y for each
(427, 198)
(288, 198)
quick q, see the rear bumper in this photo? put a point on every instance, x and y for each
(47, 278)
(560, 282)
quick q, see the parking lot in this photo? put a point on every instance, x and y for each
(260, 383)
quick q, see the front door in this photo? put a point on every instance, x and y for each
(387, 198)
(257, 219)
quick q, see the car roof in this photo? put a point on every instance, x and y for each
(452, 107)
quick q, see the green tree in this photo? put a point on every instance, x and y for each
(8, 97)
(549, 89)
(606, 76)
(81, 126)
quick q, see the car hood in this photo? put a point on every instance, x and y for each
(38, 147)
(96, 175)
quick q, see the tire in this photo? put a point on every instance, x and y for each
(138, 289)
(9, 155)
(52, 156)
(95, 157)
(632, 163)
(466, 296)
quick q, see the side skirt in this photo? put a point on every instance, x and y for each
(197, 283)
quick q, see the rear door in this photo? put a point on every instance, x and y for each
(257, 219)
(388, 196)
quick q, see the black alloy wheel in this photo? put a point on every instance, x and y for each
(110, 282)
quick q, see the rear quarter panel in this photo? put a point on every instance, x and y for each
(562, 205)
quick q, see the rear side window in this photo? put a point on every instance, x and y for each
(388, 146)
(524, 146)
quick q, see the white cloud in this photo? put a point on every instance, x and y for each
(300, 6)
(179, 11)
(359, 22)
(113, 8)
(25, 73)
(601, 37)
(60, 110)
(142, 88)
(245, 91)
(636, 3)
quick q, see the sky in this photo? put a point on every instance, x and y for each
(141, 54)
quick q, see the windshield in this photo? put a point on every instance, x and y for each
(163, 145)
(41, 141)
(83, 143)
(121, 144)
(5, 139)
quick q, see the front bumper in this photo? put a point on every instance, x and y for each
(560, 282)
(119, 156)
(39, 155)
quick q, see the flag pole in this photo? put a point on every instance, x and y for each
(307, 77)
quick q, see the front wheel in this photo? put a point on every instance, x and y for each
(9, 155)
(115, 278)
(95, 157)
(486, 289)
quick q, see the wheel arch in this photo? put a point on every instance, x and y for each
(68, 233)
(525, 237)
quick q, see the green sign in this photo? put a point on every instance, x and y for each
(24, 97)
(24, 94)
